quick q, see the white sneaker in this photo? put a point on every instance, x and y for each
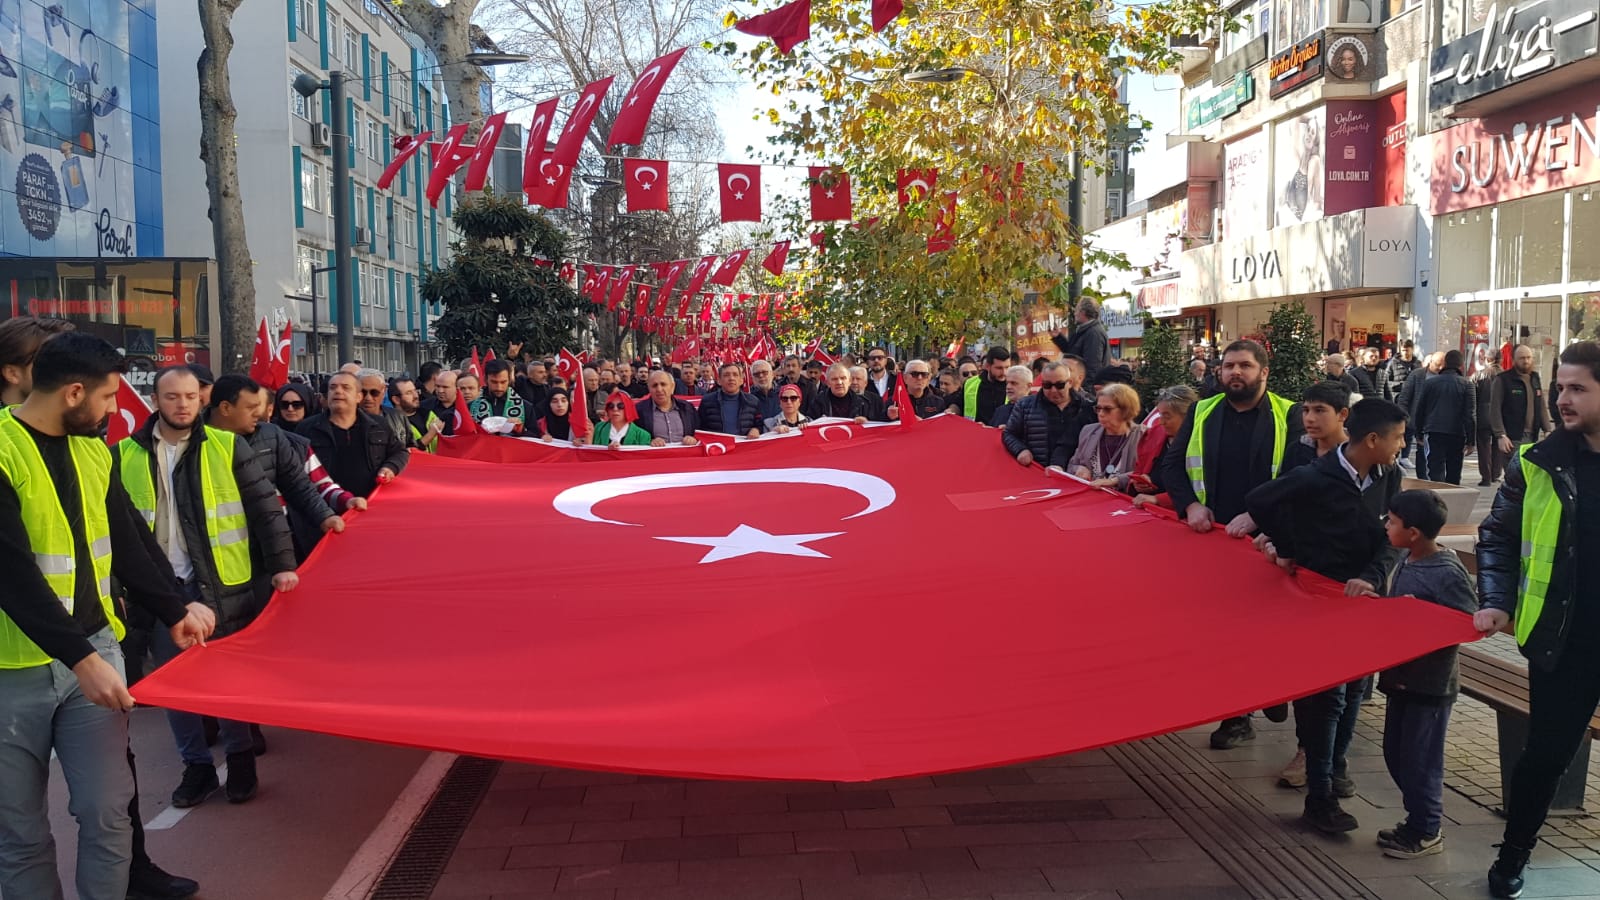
(1294, 774)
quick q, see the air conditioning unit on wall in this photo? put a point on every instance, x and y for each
(321, 135)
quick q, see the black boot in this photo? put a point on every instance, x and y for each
(1326, 815)
(258, 741)
(148, 881)
(241, 777)
(199, 782)
(1232, 733)
(1505, 876)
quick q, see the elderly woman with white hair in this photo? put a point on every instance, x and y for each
(1019, 384)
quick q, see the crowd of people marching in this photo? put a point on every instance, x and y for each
(182, 531)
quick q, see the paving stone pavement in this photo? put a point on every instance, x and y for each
(1163, 819)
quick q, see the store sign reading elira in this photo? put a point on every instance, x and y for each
(1516, 42)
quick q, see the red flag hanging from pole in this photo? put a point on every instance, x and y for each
(728, 270)
(645, 181)
(787, 25)
(669, 273)
(131, 412)
(405, 147)
(739, 187)
(280, 356)
(578, 121)
(830, 194)
(634, 115)
(262, 368)
(483, 154)
(544, 183)
(641, 300)
(885, 11)
(464, 423)
(619, 286)
(903, 404)
(702, 271)
(474, 366)
(449, 157)
(914, 185)
(775, 260)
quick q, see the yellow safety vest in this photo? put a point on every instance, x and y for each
(226, 526)
(1195, 456)
(969, 397)
(416, 433)
(1541, 528)
(50, 534)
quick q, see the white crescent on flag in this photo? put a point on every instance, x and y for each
(738, 176)
(639, 173)
(579, 502)
(645, 77)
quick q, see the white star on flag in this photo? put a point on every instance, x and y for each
(738, 195)
(745, 540)
(646, 185)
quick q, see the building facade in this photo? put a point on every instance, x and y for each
(286, 169)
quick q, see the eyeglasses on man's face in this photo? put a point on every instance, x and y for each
(876, 357)
(372, 392)
(917, 374)
(1053, 385)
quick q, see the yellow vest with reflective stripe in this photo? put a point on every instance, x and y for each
(1195, 455)
(226, 527)
(1541, 528)
(50, 534)
(416, 433)
(969, 397)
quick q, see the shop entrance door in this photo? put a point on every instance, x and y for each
(1535, 321)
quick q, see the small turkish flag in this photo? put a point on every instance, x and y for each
(914, 185)
(646, 182)
(702, 271)
(449, 157)
(641, 300)
(955, 347)
(488, 140)
(578, 121)
(762, 304)
(740, 189)
(634, 115)
(566, 363)
(836, 432)
(602, 285)
(830, 194)
(590, 279)
(661, 303)
(944, 225)
(976, 501)
(131, 413)
(669, 273)
(405, 147)
(715, 443)
(280, 357)
(569, 271)
(729, 269)
(474, 366)
(775, 260)
(464, 423)
(903, 404)
(619, 286)
(884, 12)
(542, 180)
(261, 360)
(787, 25)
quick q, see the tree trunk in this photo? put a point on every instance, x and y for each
(447, 30)
(236, 288)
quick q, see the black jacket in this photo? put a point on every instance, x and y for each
(1441, 579)
(711, 414)
(1029, 428)
(1499, 549)
(1174, 465)
(1365, 384)
(1406, 398)
(1482, 390)
(1088, 341)
(1394, 373)
(383, 450)
(685, 412)
(284, 463)
(931, 403)
(1508, 406)
(1316, 516)
(271, 550)
(887, 397)
(1446, 404)
(767, 402)
(821, 406)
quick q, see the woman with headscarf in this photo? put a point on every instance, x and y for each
(556, 425)
(616, 428)
(292, 406)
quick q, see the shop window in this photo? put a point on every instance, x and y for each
(1463, 256)
(1528, 242)
(1585, 227)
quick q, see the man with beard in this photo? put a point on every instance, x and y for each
(533, 386)
(498, 398)
(217, 518)
(1517, 412)
(62, 689)
(358, 451)
(1230, 444)
(881, 382)
(984, 392)
(423, 426)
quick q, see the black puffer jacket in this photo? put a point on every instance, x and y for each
(1029, 428)
(283, 460)
(1446, 404)
(1499, 549)
(711, 414)
(1089, 343)
(1394, 375)
(271, 551)
(821, 406)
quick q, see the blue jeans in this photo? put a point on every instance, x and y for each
(1325, 723)
(187, 728)
(42, 709)
(1413, 748)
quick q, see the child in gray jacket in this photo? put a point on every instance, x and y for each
(1421, 692)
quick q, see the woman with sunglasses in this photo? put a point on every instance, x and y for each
(557, 423)
(292, 406)
(1109, 448)
(789, 416)
(615, 428)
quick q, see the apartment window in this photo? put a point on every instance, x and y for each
(408, 228)
(1114, 161)
(375, 66)
(352, 50)
(362, 280)
(1113, 205)
(306, 12)
(305, 265)
(379, 226)
(361, 208)
(374, 138)
(311, 185)
(380, 287)
(335, 28)
(298, 104)
(1254, 18)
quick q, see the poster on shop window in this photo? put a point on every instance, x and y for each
(66, 128)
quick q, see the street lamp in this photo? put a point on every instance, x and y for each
(343, 218)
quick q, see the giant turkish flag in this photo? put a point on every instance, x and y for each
(777, 613)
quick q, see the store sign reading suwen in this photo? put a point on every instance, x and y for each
(1296, 66)
(1516, 42)
(1539, 147)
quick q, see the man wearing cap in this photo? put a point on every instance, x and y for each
(791, 403)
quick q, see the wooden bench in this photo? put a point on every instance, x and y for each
(1502, 685)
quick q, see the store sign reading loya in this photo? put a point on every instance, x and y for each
(1516, 42)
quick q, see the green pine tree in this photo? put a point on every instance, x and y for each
(1293, 348)
(1162, 362)
(494, 290)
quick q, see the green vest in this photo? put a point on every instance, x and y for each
(1541, 527)
(416, 433)
(969, 397)
(226, 527)
(1195, 455)
(50, 534)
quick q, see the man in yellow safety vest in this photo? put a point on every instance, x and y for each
(219, 523)
(67, 526)
(1231, 443)
(1540, 542)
